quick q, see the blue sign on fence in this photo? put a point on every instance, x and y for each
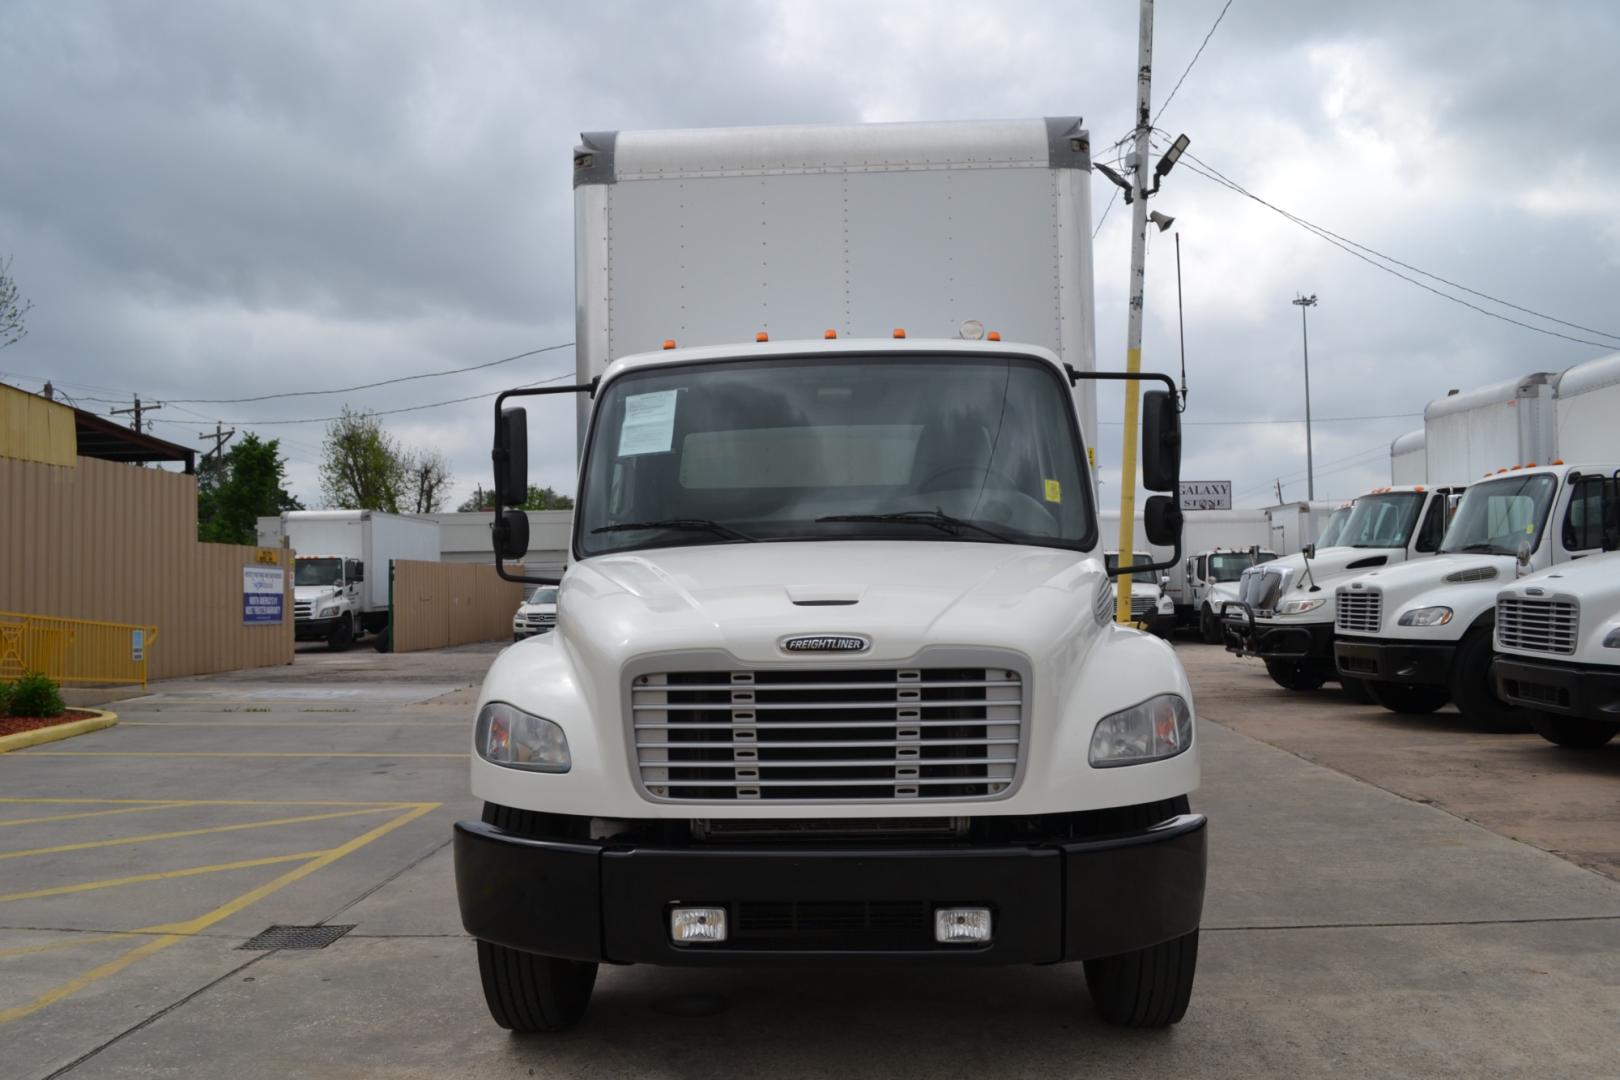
(261, 594)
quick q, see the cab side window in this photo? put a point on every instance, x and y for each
(1433, 528)
(1583, 521)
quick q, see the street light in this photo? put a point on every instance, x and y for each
(1302, 302)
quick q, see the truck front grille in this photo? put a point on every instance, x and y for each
(1359, 611)
(1547, 626)
(1143, 606)
(789, 924)
(303, 609)
(820, 735)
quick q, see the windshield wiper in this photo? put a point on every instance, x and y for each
(937, 518)
(1482, 546)
(691, 524)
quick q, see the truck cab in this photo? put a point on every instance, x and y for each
(1207, 582)
(1420, 634)
(326, 599)
(1146, 587)
(1284, 613)
(1557, 640)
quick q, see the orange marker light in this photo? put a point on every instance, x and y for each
(899, 332)
(829, 334)
(762, 336)
(1531, 465)
(1558, 461)
(669, 343)
(994, 335)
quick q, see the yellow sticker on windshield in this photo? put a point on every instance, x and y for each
(1054, 491)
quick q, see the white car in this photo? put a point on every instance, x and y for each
(537, 614)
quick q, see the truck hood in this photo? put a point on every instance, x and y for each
(313, 592)
(1329, 565)
(1474, 581)
(902, 596)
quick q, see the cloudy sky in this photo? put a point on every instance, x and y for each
(215, 200)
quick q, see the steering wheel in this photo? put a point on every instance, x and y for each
(1004, 506)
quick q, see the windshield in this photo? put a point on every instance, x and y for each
(766, 450)
(1334, 527)
(1382, 521)
(544, 594)
(1229, 565)
(1497, 515)
(318, 572)
(1138, 560)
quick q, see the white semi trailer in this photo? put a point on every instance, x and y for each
(836, 678)
(340, 576)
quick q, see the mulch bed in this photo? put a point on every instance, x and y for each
(12, 725)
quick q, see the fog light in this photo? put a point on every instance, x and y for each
(961, 925)
(697, 925)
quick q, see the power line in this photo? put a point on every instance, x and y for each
(1191, 62)
(395, 412)
(1250, 423)
(369, 386)
(1350, 247)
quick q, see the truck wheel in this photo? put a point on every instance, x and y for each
(342, 635)
(1210, 627)
(1474, 691)
(1356, 690)
(525, 992)
(1575, 732)
(1406, 698)
(1148, 988)
(1291, 675)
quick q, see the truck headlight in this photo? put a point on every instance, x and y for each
(1611, 640)
(1300, 607)
(1160, 727)
(327, 612)
(513, 738)
(1425, 616)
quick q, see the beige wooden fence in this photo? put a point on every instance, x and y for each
(437, 604)
(112, 542)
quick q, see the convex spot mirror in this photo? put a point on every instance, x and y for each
(1161, 520)
(511, 457)
(1161, 441)
(511, 533)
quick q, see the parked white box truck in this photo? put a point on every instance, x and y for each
(835, 678)
(340, 576)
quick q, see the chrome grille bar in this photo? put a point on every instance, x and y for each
(1359, 611)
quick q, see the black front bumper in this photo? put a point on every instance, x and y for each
(1395, 661)
(1306, 643)
(1564, 689)
(314, 629)
(1071, 900)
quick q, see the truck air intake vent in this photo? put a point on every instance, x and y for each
(1370, 561)
(1473, 573)
(1548, 626)
(815, 734)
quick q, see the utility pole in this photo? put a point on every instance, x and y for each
(220, 438)
(137, 409)
(1303, 302)
(49, 391)
(1133, 333)
(1279, 491)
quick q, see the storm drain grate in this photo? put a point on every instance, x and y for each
(296, 937)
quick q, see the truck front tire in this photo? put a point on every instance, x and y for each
(1473, 689)
(1291, 675)
(1410, 699)
(1148, 988)
(528, 993)
(1209, 625)
(1575, 732)
(342, 635)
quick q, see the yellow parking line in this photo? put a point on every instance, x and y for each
(219, 753)
(174, 932)
(394, 804)
(76, 938)
(161, 875)
(118, 841)
(89, 813)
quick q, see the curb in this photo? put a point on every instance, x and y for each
(25, 739)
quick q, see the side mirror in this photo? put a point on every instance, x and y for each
(511, 457)
(1161, 520)
(1524, 557)
(1309, 551)
(359, 572)
(1164, 581)
(511, 534)
(1161, 442)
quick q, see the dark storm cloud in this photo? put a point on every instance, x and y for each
(220, 200)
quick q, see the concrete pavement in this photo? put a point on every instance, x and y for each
(1349, 929)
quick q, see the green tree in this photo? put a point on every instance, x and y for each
(540, 498)
(362, 466)
(237, 488)
(13, 308)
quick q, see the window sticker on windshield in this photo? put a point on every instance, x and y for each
(649, 423)
(1054, 491)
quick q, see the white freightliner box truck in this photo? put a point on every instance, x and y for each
(1558, 650)
(1284, 611)
(1420, 634)
(340, 576)
(835, 678)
